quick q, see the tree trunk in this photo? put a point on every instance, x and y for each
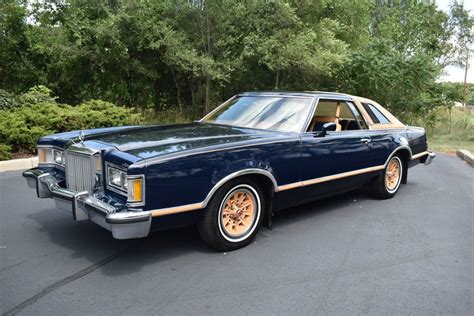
(450, 110)
(208, 88)
(178, 90)
(209, 53)
(277, 79)
(157, 95)
(193, 98)
(465, 83)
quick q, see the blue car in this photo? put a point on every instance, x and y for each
(256, 154)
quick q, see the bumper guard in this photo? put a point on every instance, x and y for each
(428, 158)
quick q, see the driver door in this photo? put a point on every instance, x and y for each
(330, 160)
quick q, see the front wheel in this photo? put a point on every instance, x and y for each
(233, 216)
(386, 185)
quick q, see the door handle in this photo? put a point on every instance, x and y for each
(365, 140)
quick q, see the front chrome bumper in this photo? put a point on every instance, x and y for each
(124, 224)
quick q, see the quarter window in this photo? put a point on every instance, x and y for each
(375, 114)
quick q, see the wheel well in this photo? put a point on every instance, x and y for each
(268, 189)
(404, 155)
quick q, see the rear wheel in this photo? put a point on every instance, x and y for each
(386, 185)
(233, 216)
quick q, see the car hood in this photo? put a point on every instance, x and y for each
(152, 141)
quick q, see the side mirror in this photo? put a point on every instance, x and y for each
(328, 127)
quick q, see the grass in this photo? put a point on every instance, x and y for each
(452, 131)
(165, 117)
(442, 144)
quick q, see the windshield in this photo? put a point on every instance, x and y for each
(286, 114)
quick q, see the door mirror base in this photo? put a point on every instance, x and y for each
(328, 127)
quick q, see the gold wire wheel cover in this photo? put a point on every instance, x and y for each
(393, 174)
(239, 211)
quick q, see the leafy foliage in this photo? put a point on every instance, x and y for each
(194, 54)
(39, 114)
(7, 100)
(186, 56)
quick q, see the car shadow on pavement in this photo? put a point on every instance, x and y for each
(87, 240)
(320, 207)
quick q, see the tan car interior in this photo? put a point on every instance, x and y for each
(333, 111)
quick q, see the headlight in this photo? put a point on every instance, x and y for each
(116, 178)
(58, 157)
(50, 156)
(133, 185)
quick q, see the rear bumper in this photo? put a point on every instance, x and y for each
(428, 158)
(124, 224)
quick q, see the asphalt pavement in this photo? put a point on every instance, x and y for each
(349, 254)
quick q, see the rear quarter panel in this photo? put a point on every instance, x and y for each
(417, 139)
(384, 143)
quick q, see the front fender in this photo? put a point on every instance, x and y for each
(193, 179)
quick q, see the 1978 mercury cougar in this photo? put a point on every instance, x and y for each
(255, 154)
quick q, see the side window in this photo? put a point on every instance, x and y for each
(375, 114)
(358, 116)
(342, 113)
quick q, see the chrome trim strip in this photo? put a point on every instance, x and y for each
(395, 151)
(276, 94)
(216, 109)
(122, 193)
(289, 186)
(128, 217)
(176, 209)
(238, 174)
(81, 149)
(329, 178)
(342, 175)
(50, 165)
(49, 146)
(420, 155)
(306, 124)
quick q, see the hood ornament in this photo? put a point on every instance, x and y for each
(81, 137)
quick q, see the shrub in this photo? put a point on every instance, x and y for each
(7, 100)
(40, 114)
(5, 152)
(37, 94)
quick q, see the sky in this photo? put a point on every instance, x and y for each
(456, 74)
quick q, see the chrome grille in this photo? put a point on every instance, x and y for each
(80, 171)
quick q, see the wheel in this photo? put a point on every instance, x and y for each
(233, 216)
(386, 185)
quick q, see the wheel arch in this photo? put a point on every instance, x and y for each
(404, 152)
(264, 178)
